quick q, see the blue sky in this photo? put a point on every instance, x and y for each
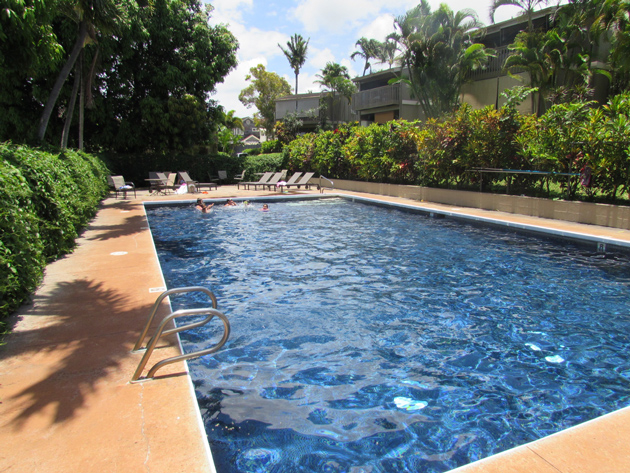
(332, 27)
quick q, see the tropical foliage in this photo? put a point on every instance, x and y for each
(438, 51)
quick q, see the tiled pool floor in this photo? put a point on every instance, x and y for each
(66, 403)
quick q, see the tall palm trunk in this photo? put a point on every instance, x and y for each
(61, 79)
(296, 89)
(71, 104)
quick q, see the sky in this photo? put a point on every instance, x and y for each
(331, 26)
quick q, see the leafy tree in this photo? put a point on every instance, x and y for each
(438, 51)
(287, 129)
(368, 49)
(265, 88)
(157, 75)
(296, 54)
(90, 15)
(29, 51)
(336, 79)
(614, 15)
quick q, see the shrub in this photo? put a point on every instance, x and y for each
(271, 146)
(136, 168)
(322, 153)
(262, 163)
(21, 247)
(45, 201)
(384, 153)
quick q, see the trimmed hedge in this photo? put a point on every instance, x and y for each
(136, 167)
(46, 199)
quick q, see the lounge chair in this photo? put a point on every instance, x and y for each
(120, 185)
(197, 185)
(263, 180)
(239, 177)
(292, 180)
(273, 181)
(303, 181)
(222, 175)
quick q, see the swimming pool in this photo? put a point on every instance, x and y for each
(372, 339)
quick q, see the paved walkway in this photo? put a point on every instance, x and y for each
(66, 403)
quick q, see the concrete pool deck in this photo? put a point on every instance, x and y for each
(66, 403)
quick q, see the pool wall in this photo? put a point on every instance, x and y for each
(580, 212)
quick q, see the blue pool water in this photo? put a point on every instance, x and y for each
(367, 339)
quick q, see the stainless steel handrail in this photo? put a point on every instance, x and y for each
(161, 297)
(321, 189)
(211, 313)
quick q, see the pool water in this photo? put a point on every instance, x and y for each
(368, 339)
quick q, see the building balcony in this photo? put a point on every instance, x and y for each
(494, 68)
(378, 97)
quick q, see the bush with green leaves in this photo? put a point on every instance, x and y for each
(270, 146)
(384, 153)
(322, 153)
(46, 200)
(200, 167)
(262, 163)
(22, 257)
(606, 146)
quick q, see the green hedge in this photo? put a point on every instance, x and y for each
(262, 163)
(46, 199)
(200, 167)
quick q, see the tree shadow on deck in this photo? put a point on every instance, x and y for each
(79, 336)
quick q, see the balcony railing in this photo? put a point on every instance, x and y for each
(379, 97)
(494, 68)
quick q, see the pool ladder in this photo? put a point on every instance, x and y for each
(210, 314)
(320, 186)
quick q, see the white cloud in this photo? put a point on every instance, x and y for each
(317, 58)
(230, 11)
(227, 92)
(332, 16)
(379, 28)
(337, 17)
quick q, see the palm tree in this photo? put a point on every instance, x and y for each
(546, 59)
(437, 52)
(296, 54)
(369, 49)
(527, 6)
(336, 79)
(386, 53)
(232, 122)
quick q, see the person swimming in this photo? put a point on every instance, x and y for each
(265, 208)
(230, 203)
(201, 205)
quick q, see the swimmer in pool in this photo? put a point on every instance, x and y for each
(201, 205)
(265, 208)
(230, 203)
